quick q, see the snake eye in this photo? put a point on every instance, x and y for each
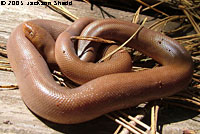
(31, 34)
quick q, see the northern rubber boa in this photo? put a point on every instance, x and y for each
(106, 93)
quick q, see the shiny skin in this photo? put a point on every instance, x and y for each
(105, 93)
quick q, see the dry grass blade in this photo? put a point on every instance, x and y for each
(136, 69)
(197, 86)
(3, 52)
(183, 99)
(196, 58)
(58, 73)
(61, 9)
(4, 62)
(5, 69)
(135, 120)
(86, 1)
(195, 14)
(191, 19)
(197, 75)
(190, 95)
(180, 28)
(141, 26)
(164, 21)
(118, 129)
(190, 41)
(96, 39)
(152, 6)
(186, 2)
(131, 125)
(184, 106)
(8, 86)
(60, 80)
(188, 36)
(191, 47)
(2, 45)
(154, 118)
(123, 124)
(145, 4)
(196, 53)
(7, 66)
(138, 117)
(153, 128)
(197, 80)
(136, 16)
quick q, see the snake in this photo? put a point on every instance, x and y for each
(36, 46)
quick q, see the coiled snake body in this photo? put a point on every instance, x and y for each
(113, 90)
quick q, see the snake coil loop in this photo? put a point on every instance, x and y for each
(33, 42)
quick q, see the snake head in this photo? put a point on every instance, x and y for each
(35, 34)
(41, 39)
